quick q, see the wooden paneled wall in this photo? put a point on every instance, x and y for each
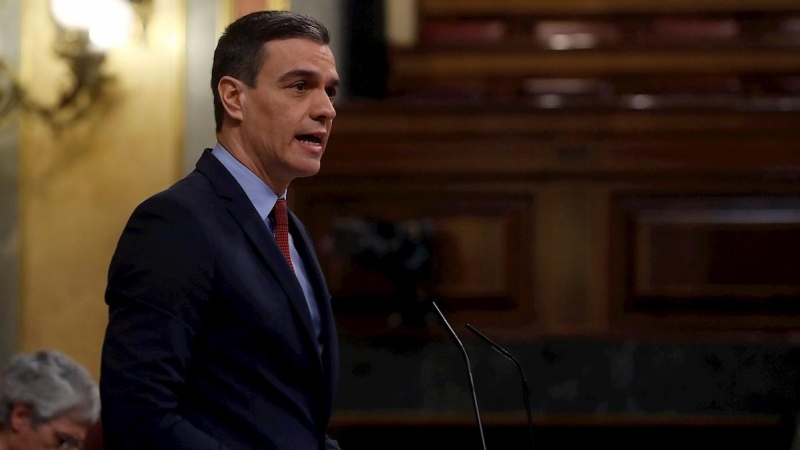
(577, 179)
(541, 223)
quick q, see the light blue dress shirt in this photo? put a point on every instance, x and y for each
(263, 198)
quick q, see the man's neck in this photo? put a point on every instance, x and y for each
(232, 144)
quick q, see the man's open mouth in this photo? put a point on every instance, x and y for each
(309, 139)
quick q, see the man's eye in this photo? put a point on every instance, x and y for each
(331, 92)
(301, 86)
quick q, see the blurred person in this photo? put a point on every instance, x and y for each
(47, 401)
(220, 332)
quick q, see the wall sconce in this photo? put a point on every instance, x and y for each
(86, 30)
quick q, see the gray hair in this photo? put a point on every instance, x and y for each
(51, 384)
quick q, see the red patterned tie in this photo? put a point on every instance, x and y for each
(282, 229)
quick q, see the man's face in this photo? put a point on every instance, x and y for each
(287, 117)
(61, 433)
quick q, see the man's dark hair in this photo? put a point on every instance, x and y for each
(240, 53)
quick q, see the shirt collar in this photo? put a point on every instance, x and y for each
(260, 195)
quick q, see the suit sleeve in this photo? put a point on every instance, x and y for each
(159, 286)
(330, 444)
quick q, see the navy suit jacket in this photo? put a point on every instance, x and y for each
(210, 344)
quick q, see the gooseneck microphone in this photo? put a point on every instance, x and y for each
(526, 396)
(469, 371)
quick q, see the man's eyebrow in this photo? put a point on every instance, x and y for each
(305, 73)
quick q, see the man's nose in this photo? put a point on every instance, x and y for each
(323, 108)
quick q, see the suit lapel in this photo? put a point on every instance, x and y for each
(330, 349)
(305, 248)
(259, 236)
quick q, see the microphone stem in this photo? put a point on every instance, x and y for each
(526, 398)
(477, 411)
(469, 371)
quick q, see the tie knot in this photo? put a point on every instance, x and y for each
(279, 212)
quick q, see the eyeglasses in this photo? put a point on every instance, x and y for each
(61, 440)
(66, 442)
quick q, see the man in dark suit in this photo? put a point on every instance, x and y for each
(220, 331)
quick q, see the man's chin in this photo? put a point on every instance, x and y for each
(308, 170)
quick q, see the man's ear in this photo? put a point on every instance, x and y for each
(20, 417)
(232, 95)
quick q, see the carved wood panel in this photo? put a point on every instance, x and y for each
(705, 260)
(386, 251)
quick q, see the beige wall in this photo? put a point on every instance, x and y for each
(78, 187)
(9, 150)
